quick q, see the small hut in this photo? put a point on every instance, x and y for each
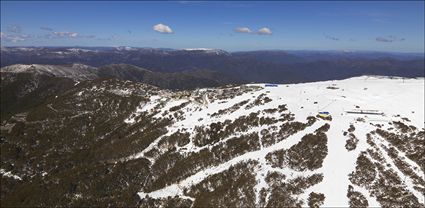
(324, 114)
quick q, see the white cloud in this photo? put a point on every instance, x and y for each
(242, 30)
(161, 28)
(261, 31)
(264, 31)
(55, 35)
(13, 38)
(16, 39)
(66, 34)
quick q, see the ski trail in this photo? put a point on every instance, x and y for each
(177, 189)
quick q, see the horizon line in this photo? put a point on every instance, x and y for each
(232, 51)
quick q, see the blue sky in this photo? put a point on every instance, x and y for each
(233, 26)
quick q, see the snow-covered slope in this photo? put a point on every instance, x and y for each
(109, 142)
(400, 100)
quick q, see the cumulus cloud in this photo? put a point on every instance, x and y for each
(14, 38)
(261, 31)
(14, 29)
(389, 39)
(46, 28)
(161, 28)
(66, 34)
(264, 31)
(242, 30)
(331, 37)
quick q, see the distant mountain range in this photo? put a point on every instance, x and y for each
(253, 66)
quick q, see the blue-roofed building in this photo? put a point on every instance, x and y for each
(324, 114)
